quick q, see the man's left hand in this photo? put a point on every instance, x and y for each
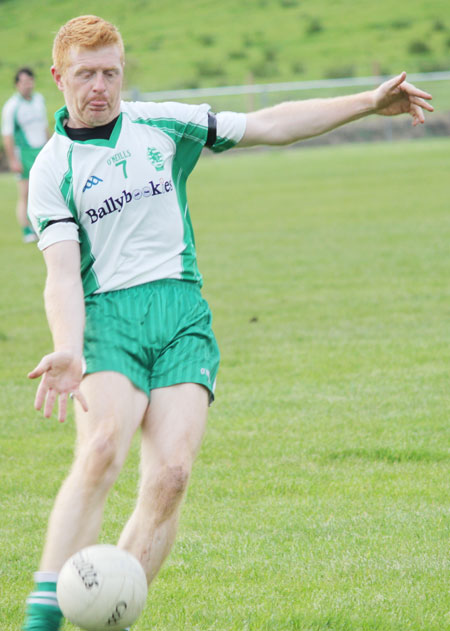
(397, 96)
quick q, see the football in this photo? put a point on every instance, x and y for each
(101, 588)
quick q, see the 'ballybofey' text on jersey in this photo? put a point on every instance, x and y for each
(124, 199)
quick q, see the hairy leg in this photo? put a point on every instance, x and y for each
(104, 435)
(171, 436)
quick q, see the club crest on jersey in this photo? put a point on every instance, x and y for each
(117, 204)
(92, 181)
(156, 158)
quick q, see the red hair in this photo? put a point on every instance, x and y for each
(86, 31)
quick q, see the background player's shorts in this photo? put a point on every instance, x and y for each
(157, 334)
(27, 157)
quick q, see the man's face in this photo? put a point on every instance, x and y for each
(91, 84)
(25, 85)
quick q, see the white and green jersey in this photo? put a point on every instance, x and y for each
(124, 199)
(26, 121)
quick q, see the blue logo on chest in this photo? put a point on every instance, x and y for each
(92, 181)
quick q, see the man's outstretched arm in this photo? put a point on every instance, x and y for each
(62, 370)
(297, 120)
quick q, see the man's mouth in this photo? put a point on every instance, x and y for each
(98, 105)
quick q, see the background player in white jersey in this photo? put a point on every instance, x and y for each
(25, 132)
(123, 285)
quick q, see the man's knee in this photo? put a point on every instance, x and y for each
(99, 458)
(164, 492)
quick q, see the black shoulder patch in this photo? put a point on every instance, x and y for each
(212, 130)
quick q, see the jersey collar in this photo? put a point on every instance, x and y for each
(62, 115)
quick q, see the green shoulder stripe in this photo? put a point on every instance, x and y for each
(222, 144)
(177, 129)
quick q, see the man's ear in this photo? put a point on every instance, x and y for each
(57, 77)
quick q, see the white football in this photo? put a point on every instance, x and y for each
(101, 588)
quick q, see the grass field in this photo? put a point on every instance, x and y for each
(320, 500)
(205, 43)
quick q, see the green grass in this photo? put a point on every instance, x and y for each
(320, 499)
(182, 44)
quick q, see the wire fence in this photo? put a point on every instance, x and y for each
(263, 90)
(250, 97)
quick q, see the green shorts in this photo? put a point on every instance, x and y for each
(158, 334)
(27, 157)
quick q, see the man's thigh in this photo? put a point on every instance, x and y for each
(174, 424)
(115, 407)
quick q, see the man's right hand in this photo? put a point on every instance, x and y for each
(61, 373)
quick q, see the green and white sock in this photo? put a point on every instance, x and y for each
(43, 612)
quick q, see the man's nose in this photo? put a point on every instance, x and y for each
(99, 83)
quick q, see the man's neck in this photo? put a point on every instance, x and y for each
(101, 132)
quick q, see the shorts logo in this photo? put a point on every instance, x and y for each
(156, 158)
(92, 181)
(113, 204)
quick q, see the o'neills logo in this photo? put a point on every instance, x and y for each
(117, 204)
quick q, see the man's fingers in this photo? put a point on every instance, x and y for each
(49, 403)
(62, 404)
(42, 367)
(421, 103)
(396, 81)
(417, 107)
(423, 94)
(417, 114)
(41, 393)
(44, 393)
(412, 90)
(62, 407)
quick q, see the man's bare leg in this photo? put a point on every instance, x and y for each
(104, 435)
(172, 432)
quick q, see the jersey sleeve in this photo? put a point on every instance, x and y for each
(194, 123)
(48, 211)
(189, 126)
(8, 118)
(230, 128)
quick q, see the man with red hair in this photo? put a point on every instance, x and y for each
(132, 334)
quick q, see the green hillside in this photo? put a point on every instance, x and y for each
(181, 44)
